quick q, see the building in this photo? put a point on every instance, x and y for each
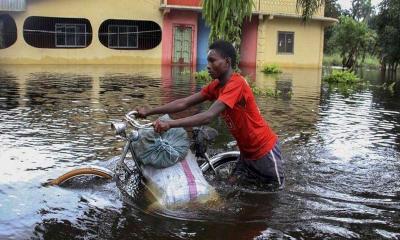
(150, 32)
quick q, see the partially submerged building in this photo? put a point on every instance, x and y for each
(150, 32)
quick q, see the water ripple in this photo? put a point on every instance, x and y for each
(341, 151)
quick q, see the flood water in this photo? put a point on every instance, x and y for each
(341, 148)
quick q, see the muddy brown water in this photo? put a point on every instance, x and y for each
(341, 148)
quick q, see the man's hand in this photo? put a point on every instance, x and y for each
(142, 112)
(161, 126)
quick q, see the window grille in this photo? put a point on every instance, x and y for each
(55, 32)
(122, 36)
(129, 34)
(8, 31)
(286, 42)
(70, 35)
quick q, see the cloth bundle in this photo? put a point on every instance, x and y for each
(161, 150)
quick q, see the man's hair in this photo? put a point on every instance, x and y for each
(225, 49)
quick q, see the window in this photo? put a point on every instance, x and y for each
(122, 36)
(129, 34)
(70, 35)
(8, 31)
(285, 42)
(55, 32)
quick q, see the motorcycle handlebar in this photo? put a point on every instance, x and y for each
(131, 118)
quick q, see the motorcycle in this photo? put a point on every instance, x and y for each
(218, 165)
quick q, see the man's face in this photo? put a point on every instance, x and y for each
(217, 65)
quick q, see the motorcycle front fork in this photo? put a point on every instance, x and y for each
(128, 148)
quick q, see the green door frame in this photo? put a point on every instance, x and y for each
(181, 50)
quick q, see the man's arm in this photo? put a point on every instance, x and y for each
(174, 106)
(203, 118)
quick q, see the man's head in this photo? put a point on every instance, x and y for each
(221, 57)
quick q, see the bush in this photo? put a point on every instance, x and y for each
(271, 69)
(341, 77)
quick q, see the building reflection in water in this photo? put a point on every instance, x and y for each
(115, 90)
(178, 81)
(9, 90)
(296, 106)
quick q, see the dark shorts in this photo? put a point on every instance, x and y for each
(266, 171)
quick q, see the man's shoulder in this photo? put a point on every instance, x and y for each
(213, 84)
(209, 90)
(238, 80)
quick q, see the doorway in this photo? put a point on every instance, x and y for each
(182, 50)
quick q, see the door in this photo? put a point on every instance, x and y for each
(182, 50)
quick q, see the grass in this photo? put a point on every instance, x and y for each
(332, 60)
(271, 69)
(335, 60)
(371, 62)
(338, 76)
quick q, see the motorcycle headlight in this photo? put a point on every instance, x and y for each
(119, 128)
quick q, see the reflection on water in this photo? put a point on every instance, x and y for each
(341, 150)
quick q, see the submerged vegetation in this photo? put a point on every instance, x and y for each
(338, 76)
(266, 92)
(271, 69)
(202, 76)
(366, 36)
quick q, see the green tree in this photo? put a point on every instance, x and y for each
(309, 7)
(361, 10)
(352, 39)
(332, 10)
(387, 26)
(225, 17)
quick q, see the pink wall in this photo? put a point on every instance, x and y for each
(184, 2)
(178, 18)
(248, 49)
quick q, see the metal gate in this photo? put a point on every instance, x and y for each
(182, 50)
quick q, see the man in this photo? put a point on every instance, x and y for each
(260, 157)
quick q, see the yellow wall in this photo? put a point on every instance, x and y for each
(282, 7)
(308, 42)
(96, 11)
(308, 39)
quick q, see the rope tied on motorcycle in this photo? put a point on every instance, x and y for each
(161, 150)
(163, 145)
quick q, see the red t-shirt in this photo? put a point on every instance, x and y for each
(242, 116)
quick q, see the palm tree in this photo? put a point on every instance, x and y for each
(309, 7)
(225, 17)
